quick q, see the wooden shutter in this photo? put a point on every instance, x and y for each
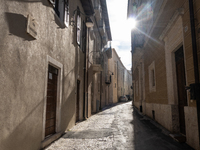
(66, 18)
(83, 40)
(52, 2)
(78, 28)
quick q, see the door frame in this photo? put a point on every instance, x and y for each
(59, 66)
(177, 88)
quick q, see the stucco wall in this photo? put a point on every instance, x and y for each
(137, 104)
(121, 78)
(23, 72)
(113, 68)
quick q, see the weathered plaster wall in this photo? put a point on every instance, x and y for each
(23, 71)
(113, 68)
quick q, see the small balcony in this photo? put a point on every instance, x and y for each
(108, 52)
(96, 61)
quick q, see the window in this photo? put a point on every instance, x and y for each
(98, 86)
(137, 88)
(78, 27)
(61, 8)
(56, 6)
(115, 70)
(152, 77)
(66, 17)
(83, 39)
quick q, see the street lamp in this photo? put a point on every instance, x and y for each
(89, 22)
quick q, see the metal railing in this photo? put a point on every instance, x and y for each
(96, 57)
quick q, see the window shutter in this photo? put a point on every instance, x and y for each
(56, 7)
(78, 29)
(52, 2)
(55, 4)
(66, 19)
(83, 40)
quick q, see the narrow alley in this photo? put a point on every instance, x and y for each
(117, 127)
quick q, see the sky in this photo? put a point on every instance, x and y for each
(120, 30)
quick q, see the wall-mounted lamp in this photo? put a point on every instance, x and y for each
(111, 72)
(89, 22)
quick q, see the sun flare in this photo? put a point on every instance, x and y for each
(131, 23)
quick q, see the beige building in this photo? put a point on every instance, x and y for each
(121, 78)
(128, 83)
(47, 77)
(164, 61)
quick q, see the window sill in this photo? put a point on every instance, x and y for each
(58, 21)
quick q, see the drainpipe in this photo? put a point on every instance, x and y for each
(85, 108)
(195, 88)
(84, 87)
(87, 61)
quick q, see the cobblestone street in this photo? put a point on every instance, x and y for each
(118, 127)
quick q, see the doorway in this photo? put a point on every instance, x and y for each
(77, 100)
(181, 82)
(50, 122)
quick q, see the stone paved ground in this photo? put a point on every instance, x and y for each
(116, 128)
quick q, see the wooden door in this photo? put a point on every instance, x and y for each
(77, 101)
(182, 95)
(50, 125)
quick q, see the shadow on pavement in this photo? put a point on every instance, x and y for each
(147, 136)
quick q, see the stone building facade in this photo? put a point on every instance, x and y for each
(163, 63)
(113, 73)
(47, 77)
(121, 78)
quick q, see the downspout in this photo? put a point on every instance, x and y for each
(87, 61)
(195, 88)
(85, 108)
(84, 87)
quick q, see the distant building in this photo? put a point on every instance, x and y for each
(121, 78)
(162, 63)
